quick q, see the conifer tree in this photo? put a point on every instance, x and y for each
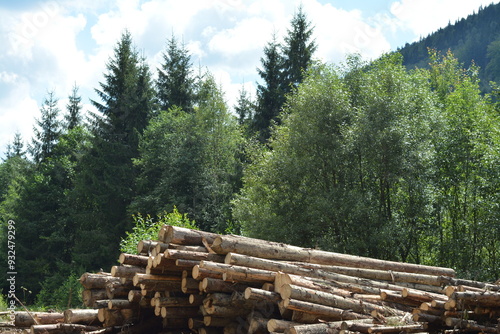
(16, 149)
(106, 184)
(244, 107)
(73, 118)
(175, 84)
(47, 130)
(298, 50)
(270, 94)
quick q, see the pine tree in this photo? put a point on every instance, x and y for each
(73, 118)
(297, 50)
(175, 83)
(270, 94)
(16, 149)
(244, 107)
(105, 185)
(47, 131)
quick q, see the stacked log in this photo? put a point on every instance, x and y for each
(200, 282)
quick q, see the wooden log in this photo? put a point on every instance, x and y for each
(423, 317)
(126, 271)
(226, 311)
(196, 299)
(135, 296)
(279, 251)
(195, 256)
(180, 312)
(195, 323)
(279, 326)
(187, 248)
(396, 297)
(115, 290)
(81, 316)
(146, 246)
(101, 303)
(186, 264)
(25, 319)
(211, 321)
(133, 259)
(259, 294)
(190, 285)
(111, 318)
(321, 328)
(422, 296)
(323, 298)
(239, 273)
(385, 275)
(96, 281)
(174, 302)
(209, 330)
(118, 304)
(322, 310)
(61, 328)
(470, 283)
(282, 279)
(157, 282)
(90, 296)
(397, 329)
(256, 324)
(162, 262)
(184, 236)
(201, 273)
(352, 283)
(488, 299)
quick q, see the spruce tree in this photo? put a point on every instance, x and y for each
(175, 84)
(244, 107)
(298, 50)
(270, 94)
(105, 185)
(16, 149)
(47, 130)
(73, 118)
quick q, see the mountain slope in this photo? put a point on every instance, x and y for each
(472, 39)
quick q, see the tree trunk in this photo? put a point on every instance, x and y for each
(322, 310)
(184, 236)
(133, 260)
(83, 317)
(323, 298)
(273, 250)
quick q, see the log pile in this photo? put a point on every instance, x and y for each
(194, 281)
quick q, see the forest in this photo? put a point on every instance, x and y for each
(364, 157)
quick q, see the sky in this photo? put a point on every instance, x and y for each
(53, 45)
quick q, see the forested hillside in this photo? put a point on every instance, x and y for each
(475, 39)
(367, 158)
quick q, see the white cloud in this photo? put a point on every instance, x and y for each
(43, 47)
(423, 17)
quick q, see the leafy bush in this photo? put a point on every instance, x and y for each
(60, 293)
(146, 228)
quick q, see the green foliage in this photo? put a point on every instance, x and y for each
(472, 40)
(60, 293)
(175, 84)
(283, 68)
(105, 183)
(47, 131)
(191, 160)
(373, 160)
(3, 303)
(147, 228)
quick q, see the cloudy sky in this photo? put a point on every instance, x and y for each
(51, 45)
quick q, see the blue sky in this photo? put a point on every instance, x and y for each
(53, 44)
